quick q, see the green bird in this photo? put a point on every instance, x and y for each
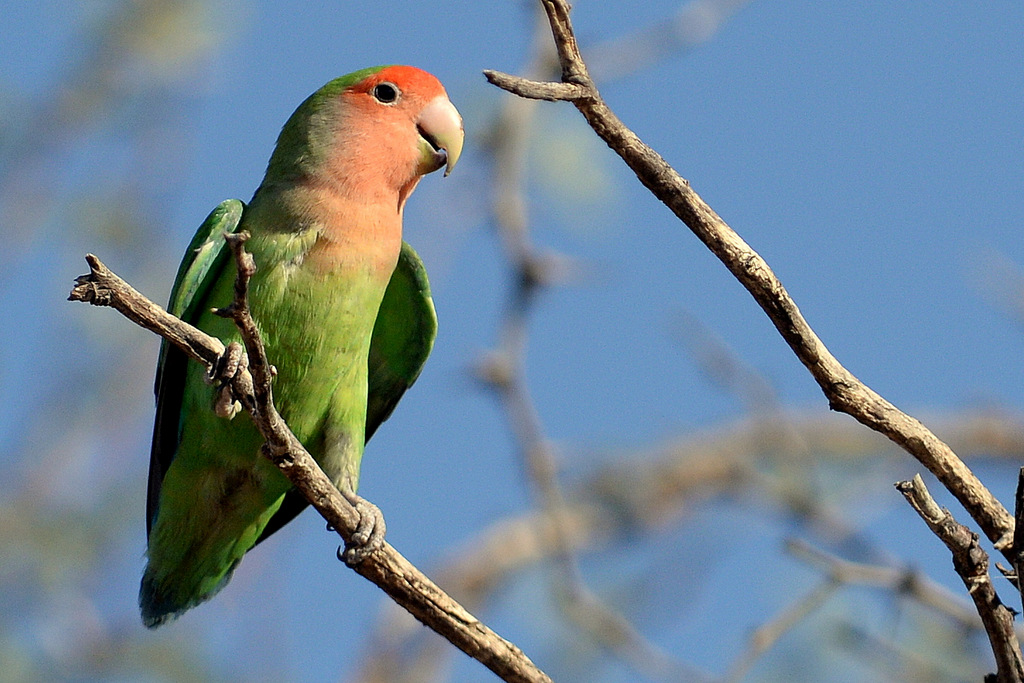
(342, 303)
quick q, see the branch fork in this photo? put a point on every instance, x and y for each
(971, 563)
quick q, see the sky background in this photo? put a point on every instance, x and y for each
(870, 151)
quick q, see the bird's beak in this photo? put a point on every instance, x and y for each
(441, 134)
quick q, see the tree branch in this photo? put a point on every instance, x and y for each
(537, 90)
(971, 564)
(395, 575)
(843, 390)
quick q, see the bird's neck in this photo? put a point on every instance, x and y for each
(329, 228)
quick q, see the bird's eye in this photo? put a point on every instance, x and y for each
(386, 93)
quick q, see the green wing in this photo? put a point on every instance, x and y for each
(402, 339)
(204, 261)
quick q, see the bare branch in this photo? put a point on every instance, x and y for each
(840, 572)
(102, 288)
(971, 563)
(843, 390)
(536, 90)
(395, 575)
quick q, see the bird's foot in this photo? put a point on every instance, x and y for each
(222, 374)
(368, 537)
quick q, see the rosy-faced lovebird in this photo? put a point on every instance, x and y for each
(344, 309)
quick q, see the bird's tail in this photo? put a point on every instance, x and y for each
(164, 599)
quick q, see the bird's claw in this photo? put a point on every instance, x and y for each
(231, 362)
(228, 365)
(368, 536)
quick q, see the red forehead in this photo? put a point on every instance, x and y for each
(409, 78)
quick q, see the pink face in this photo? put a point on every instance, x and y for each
(403, 124)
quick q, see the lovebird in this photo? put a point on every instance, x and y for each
(344, 309)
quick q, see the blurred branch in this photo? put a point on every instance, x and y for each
(692, 24)
(653, 491)
(127, 85)
(895, 661)
(840, 572)
(1000, 281)
(971, 563)
(251, 386)
(401, 651)
(902, 581)
(726, 369)
(765, 636)
(844, 391)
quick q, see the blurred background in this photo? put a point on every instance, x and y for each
(618, 465)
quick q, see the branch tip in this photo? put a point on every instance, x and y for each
(551, 91)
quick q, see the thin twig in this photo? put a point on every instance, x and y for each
(901, 581)
(840, 572)
(766, 635)
(843, 390)
(971, 563)
(395, 575)
(692, 24)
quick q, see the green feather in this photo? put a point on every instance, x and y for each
(204, 259)
(296, 152)
(403, 337)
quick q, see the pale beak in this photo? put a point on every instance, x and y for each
(440, 127)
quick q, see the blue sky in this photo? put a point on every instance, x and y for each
(871, 152)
